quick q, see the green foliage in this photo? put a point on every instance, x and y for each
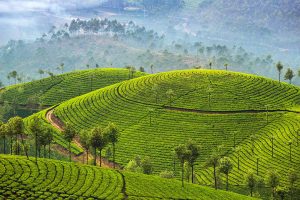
(49, 179)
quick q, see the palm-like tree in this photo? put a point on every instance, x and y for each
(113, 135)
(214, 161)
(225, 168)
(69, 135)
(3, 134)
(194, 154)
(226, 66)
(98, 141)
(289, 75)
(182, 154)
(279, 67)
(85, 141)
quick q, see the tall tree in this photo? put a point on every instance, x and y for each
(292, 178)
(49, 139)
(69, 135)
(36, 129)
(289, 75)
(273, 181)
(214, 161)
(170, 94)
(226, 66)
(98, 141)
(3, 133)
(113, 135)
(279, 67)
(251, 181)
(194, 154)
(16, 127)
(182, 153)
(85, 141)
(225, 168)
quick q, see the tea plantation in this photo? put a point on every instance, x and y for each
(158, 112)
(52, 90)
(22, 178)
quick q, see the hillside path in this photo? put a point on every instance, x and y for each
(58, 124)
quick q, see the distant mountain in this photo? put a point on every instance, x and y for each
(275, 15)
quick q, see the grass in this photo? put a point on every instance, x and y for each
(50, 179)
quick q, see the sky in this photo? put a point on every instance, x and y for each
(27, 19)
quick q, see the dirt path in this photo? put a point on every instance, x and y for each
(225, 112)
(58, 124)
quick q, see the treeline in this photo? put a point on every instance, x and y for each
(97, 26)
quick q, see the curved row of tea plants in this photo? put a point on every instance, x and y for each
(153, 123)
(56, 89)
(23, 178)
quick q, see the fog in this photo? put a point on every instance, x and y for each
(27, 20)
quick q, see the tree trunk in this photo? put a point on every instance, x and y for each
(114, 152)
(4, 144)
(182, 174)
(100, 154)
(70, 159)
(11, 145)
(36, 147)
(226, 182)
(95, 156)
(25, 148)
(87, 157)
(251, 192)
(279, 77)
(215, 177)
(44, 151)
(192, 173)
(49, 150)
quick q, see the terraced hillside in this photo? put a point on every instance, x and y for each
(50, 91)
(211, 107)
(49, 179)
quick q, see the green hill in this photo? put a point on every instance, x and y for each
(53, 90)
(240, 107)
(50, 179)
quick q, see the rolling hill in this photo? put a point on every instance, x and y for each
(23, 178)
(53, 90)
(210, 107)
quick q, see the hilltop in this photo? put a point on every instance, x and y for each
(23, 178)
(29, 97)
(210, 107)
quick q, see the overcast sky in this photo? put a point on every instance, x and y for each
(27, 19)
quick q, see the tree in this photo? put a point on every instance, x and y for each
(195, 152)
(273, 181)
(170, 94)
(214, 161)
(146, 165)
(142, 69)
(182, 154)
(225, 168)
(3, 133)
(48, 138)
(98, 141)
(279, 67)
(61, 68)
(238, 151)
(41, 72)
(226, 66)
(16, 129)
(155, 91)
(251, 181)
(290, 145)
(36, 129)
(292, 178)
(281, 191)
(69, 135)
(210, 65)
(14, 75)
(85, 141)
(113, 135)
(289, 75)
(151, 67)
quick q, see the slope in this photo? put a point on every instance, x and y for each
(52, 90)
(49, 179)
(208, 106)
